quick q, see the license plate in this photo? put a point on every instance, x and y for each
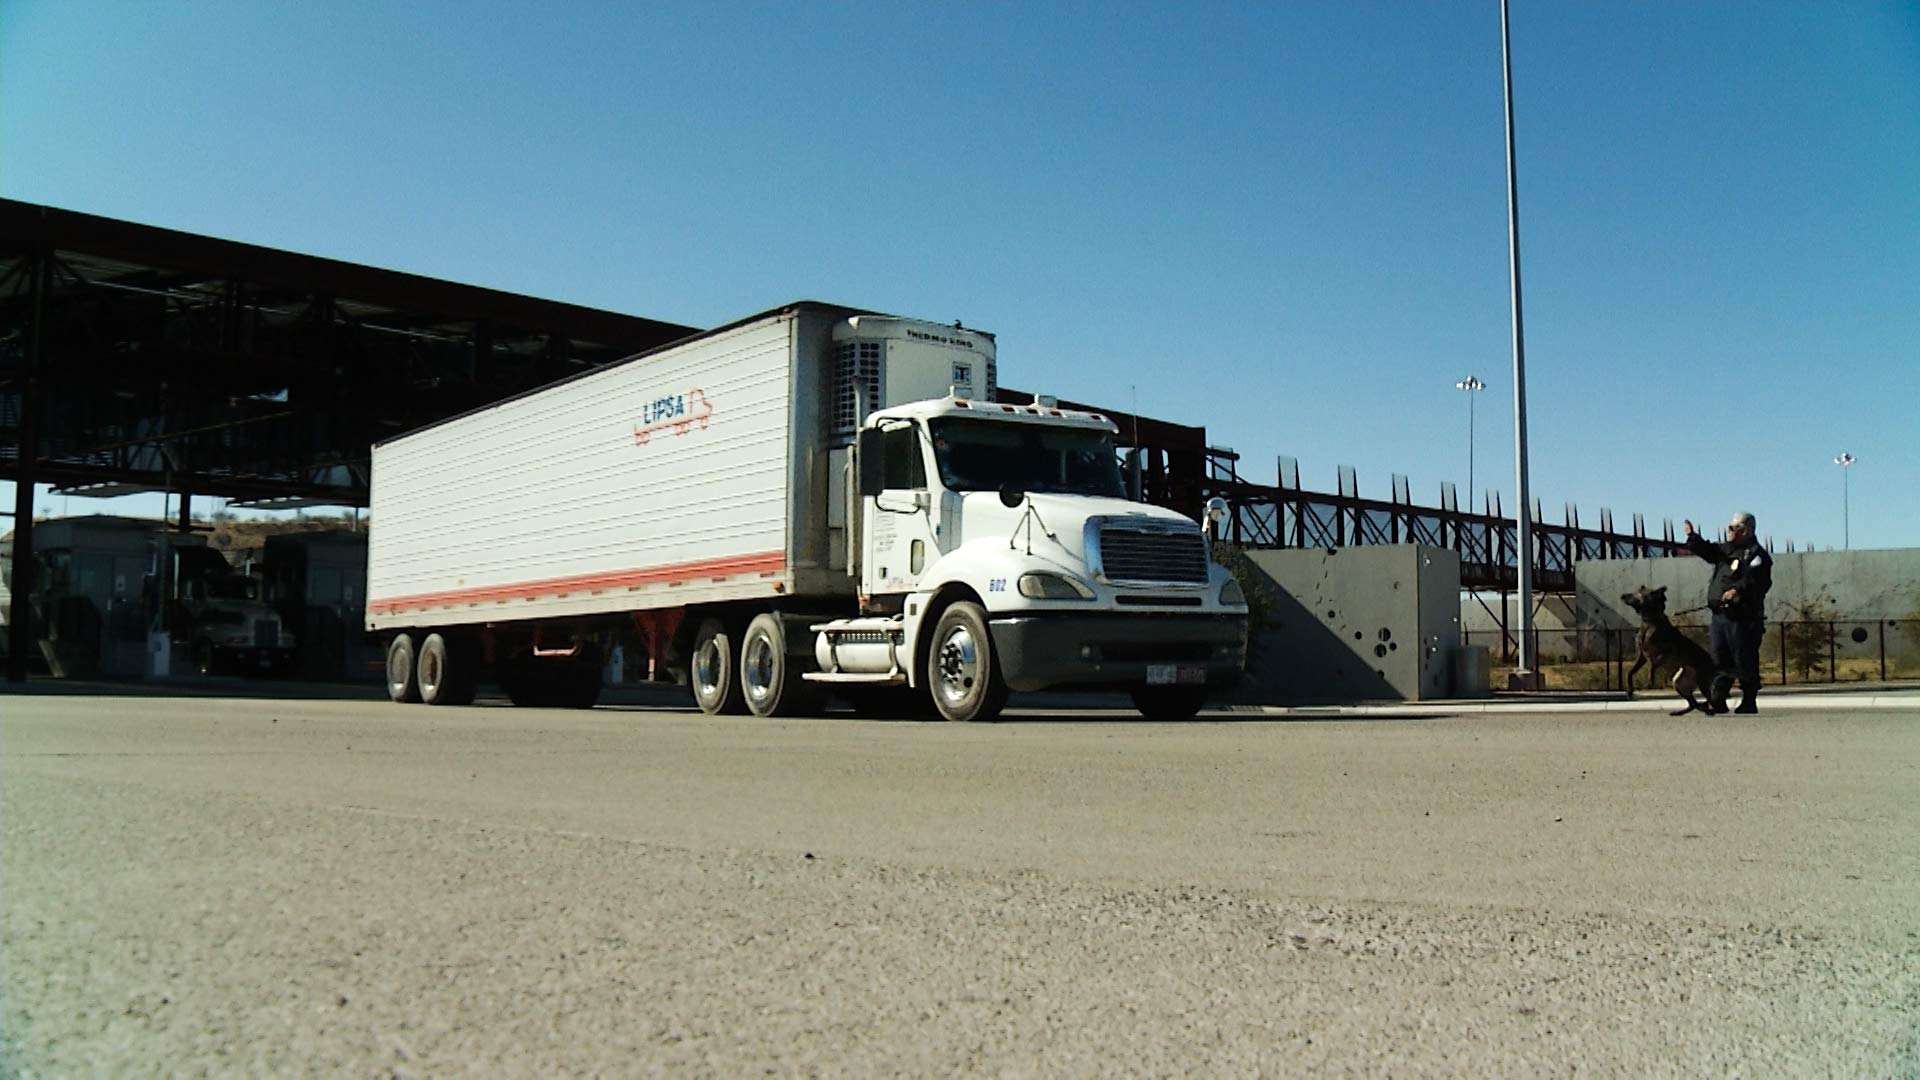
(1175, 675)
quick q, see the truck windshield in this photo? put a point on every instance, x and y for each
(986, 455)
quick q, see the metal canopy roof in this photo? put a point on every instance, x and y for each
(149, 359)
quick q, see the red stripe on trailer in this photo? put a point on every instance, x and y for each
(715, 569)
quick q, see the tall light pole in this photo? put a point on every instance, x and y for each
(1470, 385)
(1523, 675)
(1845, 461)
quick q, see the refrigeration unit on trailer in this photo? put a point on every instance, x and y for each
(816, 497)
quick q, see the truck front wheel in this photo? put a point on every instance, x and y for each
(1169, 702)
(401, 685)
(715, 670)
(962, 671)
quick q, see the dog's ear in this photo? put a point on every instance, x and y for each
(1660, 592)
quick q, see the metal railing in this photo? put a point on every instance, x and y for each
(1792, 653)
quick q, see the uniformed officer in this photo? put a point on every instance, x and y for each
(1742, 574)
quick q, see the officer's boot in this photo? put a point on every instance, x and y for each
(1748, 692)
(1717, 693)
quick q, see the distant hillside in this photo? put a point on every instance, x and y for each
(237, 534)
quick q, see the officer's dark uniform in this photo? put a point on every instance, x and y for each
(1738, 624)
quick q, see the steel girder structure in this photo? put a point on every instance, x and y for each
(1287, 516)
(135, 358)
(1173, 457)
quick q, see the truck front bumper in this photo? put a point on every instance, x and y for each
(245, 658)
(1037, 652)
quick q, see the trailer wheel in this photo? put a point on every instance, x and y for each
(1169, 702)
(445, 670)
(521, 679)
(401, 685)
(715, 669)
(769, 678)
(577, 682)
(962, 671)
(551, 682)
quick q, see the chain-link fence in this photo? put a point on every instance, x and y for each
(1791, 653)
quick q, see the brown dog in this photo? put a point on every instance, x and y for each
(1660, 642)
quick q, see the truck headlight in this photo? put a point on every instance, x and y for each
(1231, 595)
(1042, 586)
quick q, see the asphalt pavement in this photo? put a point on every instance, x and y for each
(231, 882)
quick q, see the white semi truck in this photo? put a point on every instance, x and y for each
(813, 498)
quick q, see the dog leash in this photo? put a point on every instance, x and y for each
(1691, 610)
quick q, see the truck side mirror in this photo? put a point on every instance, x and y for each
(872, 463)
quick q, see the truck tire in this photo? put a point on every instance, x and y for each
(577, 683)
(769, 677)
(445, 671)
(401, 685)
(1169, 702)
(468, 665)
(962, 672)
(524, 682)
(714, 670)
(551, 682)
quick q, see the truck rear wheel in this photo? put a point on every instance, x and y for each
(1169, 702)
(445, 671)
(962, 671)
(715, 669)
(769, 678)
(401, 684)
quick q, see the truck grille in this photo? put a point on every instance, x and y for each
(1153, 552)
(267, 632)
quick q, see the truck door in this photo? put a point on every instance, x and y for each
(897, 527)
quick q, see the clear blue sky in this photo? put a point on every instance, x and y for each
(1286, 222)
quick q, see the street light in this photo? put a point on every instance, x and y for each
(1845, 461)
(1470, 384)
(1524, 676)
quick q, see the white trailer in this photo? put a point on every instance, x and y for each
(775, 506)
